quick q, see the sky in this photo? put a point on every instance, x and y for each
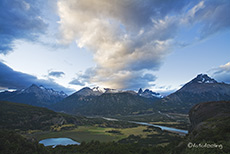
(121, 44)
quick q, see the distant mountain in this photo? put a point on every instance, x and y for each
(34, 95)
(88, 92)
(149, 94)
(200, 89)
(95, 91)
(89, 102)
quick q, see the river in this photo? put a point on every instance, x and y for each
(170, 129)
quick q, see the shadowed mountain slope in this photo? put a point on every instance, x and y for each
(120, 103)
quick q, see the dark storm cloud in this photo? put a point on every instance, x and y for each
(19, 19)
(56, 74)
(10, 79)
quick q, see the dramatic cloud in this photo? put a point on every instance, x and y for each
(56, 74)
(19, 19)
(131, 38)
(222, 73)
(10, 79)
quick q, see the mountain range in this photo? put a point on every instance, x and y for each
(102, 102)
(34, 95)
(105, 101)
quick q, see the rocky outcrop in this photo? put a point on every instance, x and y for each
(209, 132)
(209, 117)
(204, 111)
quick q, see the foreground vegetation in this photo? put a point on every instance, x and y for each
(14, 143)
(26, 117)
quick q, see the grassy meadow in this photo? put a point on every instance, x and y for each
(89, 133)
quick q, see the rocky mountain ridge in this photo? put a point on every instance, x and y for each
(34, 95)
(121, 103)
(97, 91)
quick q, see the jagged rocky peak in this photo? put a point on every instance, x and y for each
(203, 78)
(140, 91)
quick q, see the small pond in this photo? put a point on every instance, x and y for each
(58, 141)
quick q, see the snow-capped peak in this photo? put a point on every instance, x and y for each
(41, 89)
(99, 89)
(203, 78)
(105, 90)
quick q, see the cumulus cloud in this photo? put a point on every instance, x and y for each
(131, 38)
(19, 19)
(10, 79)
(222, 73)
(56, 74)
